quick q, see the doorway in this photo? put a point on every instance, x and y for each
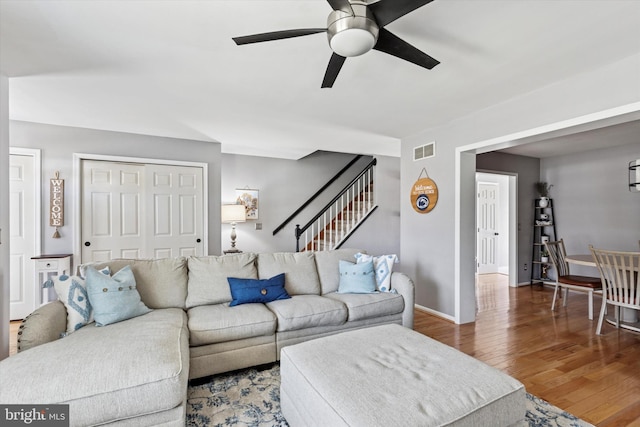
(496, 225)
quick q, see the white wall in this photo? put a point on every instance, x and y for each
(285, 185)
(592, 201)
(58, 143)
(438, 247)
(4, 216)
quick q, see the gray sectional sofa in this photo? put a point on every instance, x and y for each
(135, 372)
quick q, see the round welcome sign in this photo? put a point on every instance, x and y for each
(424, 195)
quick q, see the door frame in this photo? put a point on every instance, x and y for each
(36, 155)
(77, 191)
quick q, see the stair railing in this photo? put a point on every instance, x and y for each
(341, 216)
(316, 194)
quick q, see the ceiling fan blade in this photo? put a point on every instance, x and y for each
(342, 5)
(277, 35)
(387, 11)
(394, 45)
(335, 64)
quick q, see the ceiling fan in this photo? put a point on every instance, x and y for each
(354, 28)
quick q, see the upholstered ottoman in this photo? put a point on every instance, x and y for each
(392, 376)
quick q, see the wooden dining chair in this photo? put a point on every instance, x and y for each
(568, 281)
(620, 277)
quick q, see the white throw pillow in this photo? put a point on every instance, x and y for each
(383, 267)
(72, 291)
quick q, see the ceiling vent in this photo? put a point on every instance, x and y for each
(424, 151)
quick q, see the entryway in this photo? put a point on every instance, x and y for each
(496, 225)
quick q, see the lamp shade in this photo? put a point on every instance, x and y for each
(233, 213)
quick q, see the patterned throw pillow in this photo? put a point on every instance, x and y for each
(356, 278)
(72, 291)
(383, 266)
(114, 298)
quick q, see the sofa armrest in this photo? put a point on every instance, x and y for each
(47, 323)
(405, 287)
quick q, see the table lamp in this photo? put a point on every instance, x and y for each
(233, 214)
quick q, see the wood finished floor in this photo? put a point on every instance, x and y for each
(556, 355)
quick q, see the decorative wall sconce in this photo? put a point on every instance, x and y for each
(634, 175)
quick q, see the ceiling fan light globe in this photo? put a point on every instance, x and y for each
(352, 42)
(352, 35)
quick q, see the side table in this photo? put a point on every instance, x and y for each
(45, 266)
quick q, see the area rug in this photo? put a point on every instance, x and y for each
(251, 397)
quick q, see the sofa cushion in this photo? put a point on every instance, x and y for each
(305, 311)
(369, 306)
(139, 366)
(327, 265)
(114, 298)
(162, 283)
(301, 275)
(210, 324)
(208, 277)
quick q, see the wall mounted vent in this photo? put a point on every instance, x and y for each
(424, 151)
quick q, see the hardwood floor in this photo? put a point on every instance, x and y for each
(556, 355)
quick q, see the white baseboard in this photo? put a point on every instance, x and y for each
(435, 313)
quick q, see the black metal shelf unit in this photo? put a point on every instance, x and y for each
(544, 224)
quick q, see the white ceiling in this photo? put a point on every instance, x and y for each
(170, 68)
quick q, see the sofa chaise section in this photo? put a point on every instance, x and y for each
(128, 373)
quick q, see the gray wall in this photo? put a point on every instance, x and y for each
(4, 216)
(285, 185)
(528, 170)
(592, 201)
(58, 143)
(438, 248)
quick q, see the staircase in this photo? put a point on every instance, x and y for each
(340, 217)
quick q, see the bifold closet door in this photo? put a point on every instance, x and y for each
(134, 210)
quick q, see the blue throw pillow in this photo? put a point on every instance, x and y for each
(114, 298)
(356, 278)
(245, 291)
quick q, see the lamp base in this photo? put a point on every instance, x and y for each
(232, 251)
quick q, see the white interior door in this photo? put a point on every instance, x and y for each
(174, 197)
(135, 210)
(23, 291)
(487, 220)
(112, 210)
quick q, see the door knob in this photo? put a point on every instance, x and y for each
(198, 240)
(87, 243)
(496, 234)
